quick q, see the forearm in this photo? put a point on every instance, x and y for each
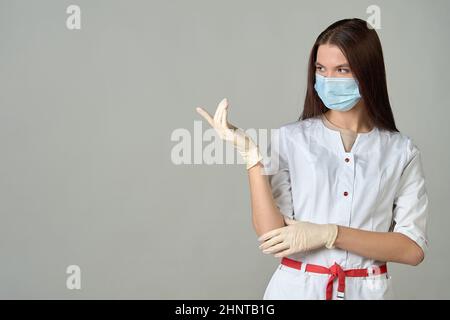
(265, 215)
(381, 246)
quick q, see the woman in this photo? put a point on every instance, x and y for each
(349, 193)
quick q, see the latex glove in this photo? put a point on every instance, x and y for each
(226, 131)
(298, 236)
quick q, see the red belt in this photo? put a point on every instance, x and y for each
(335, 271)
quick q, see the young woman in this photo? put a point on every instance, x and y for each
(349, 194)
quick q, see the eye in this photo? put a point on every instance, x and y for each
(319, 68)
(343, 70)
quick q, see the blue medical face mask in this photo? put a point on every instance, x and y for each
(339, 94)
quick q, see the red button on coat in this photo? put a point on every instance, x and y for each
(345, 193)
(347, 159)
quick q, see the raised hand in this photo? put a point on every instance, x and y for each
(228, 132)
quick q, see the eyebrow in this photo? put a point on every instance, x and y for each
(345, 65)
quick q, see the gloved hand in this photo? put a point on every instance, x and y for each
(241, 141)
(298, 236)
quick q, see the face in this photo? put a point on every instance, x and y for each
(332, 63)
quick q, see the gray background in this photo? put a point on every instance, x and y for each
(85, 124)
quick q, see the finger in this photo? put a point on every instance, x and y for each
(218, 120)
(284, 253)
(277, 248)
(205, 115)
(223, 120)
(270, 234)
(223, 115)
(269, 243)
(219, 109)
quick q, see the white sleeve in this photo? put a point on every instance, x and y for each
(277, 169)
(411, 199)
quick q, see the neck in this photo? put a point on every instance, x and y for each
(355, 119)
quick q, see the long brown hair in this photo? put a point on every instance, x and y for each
(362, 48)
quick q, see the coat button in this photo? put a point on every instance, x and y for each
(347, 159)
(345, 193)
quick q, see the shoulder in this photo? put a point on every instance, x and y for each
(399, 141)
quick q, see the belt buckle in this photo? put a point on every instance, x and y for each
(340, 295)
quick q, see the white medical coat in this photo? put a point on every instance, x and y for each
(378, 186)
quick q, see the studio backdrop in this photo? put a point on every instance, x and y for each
(96, 97)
